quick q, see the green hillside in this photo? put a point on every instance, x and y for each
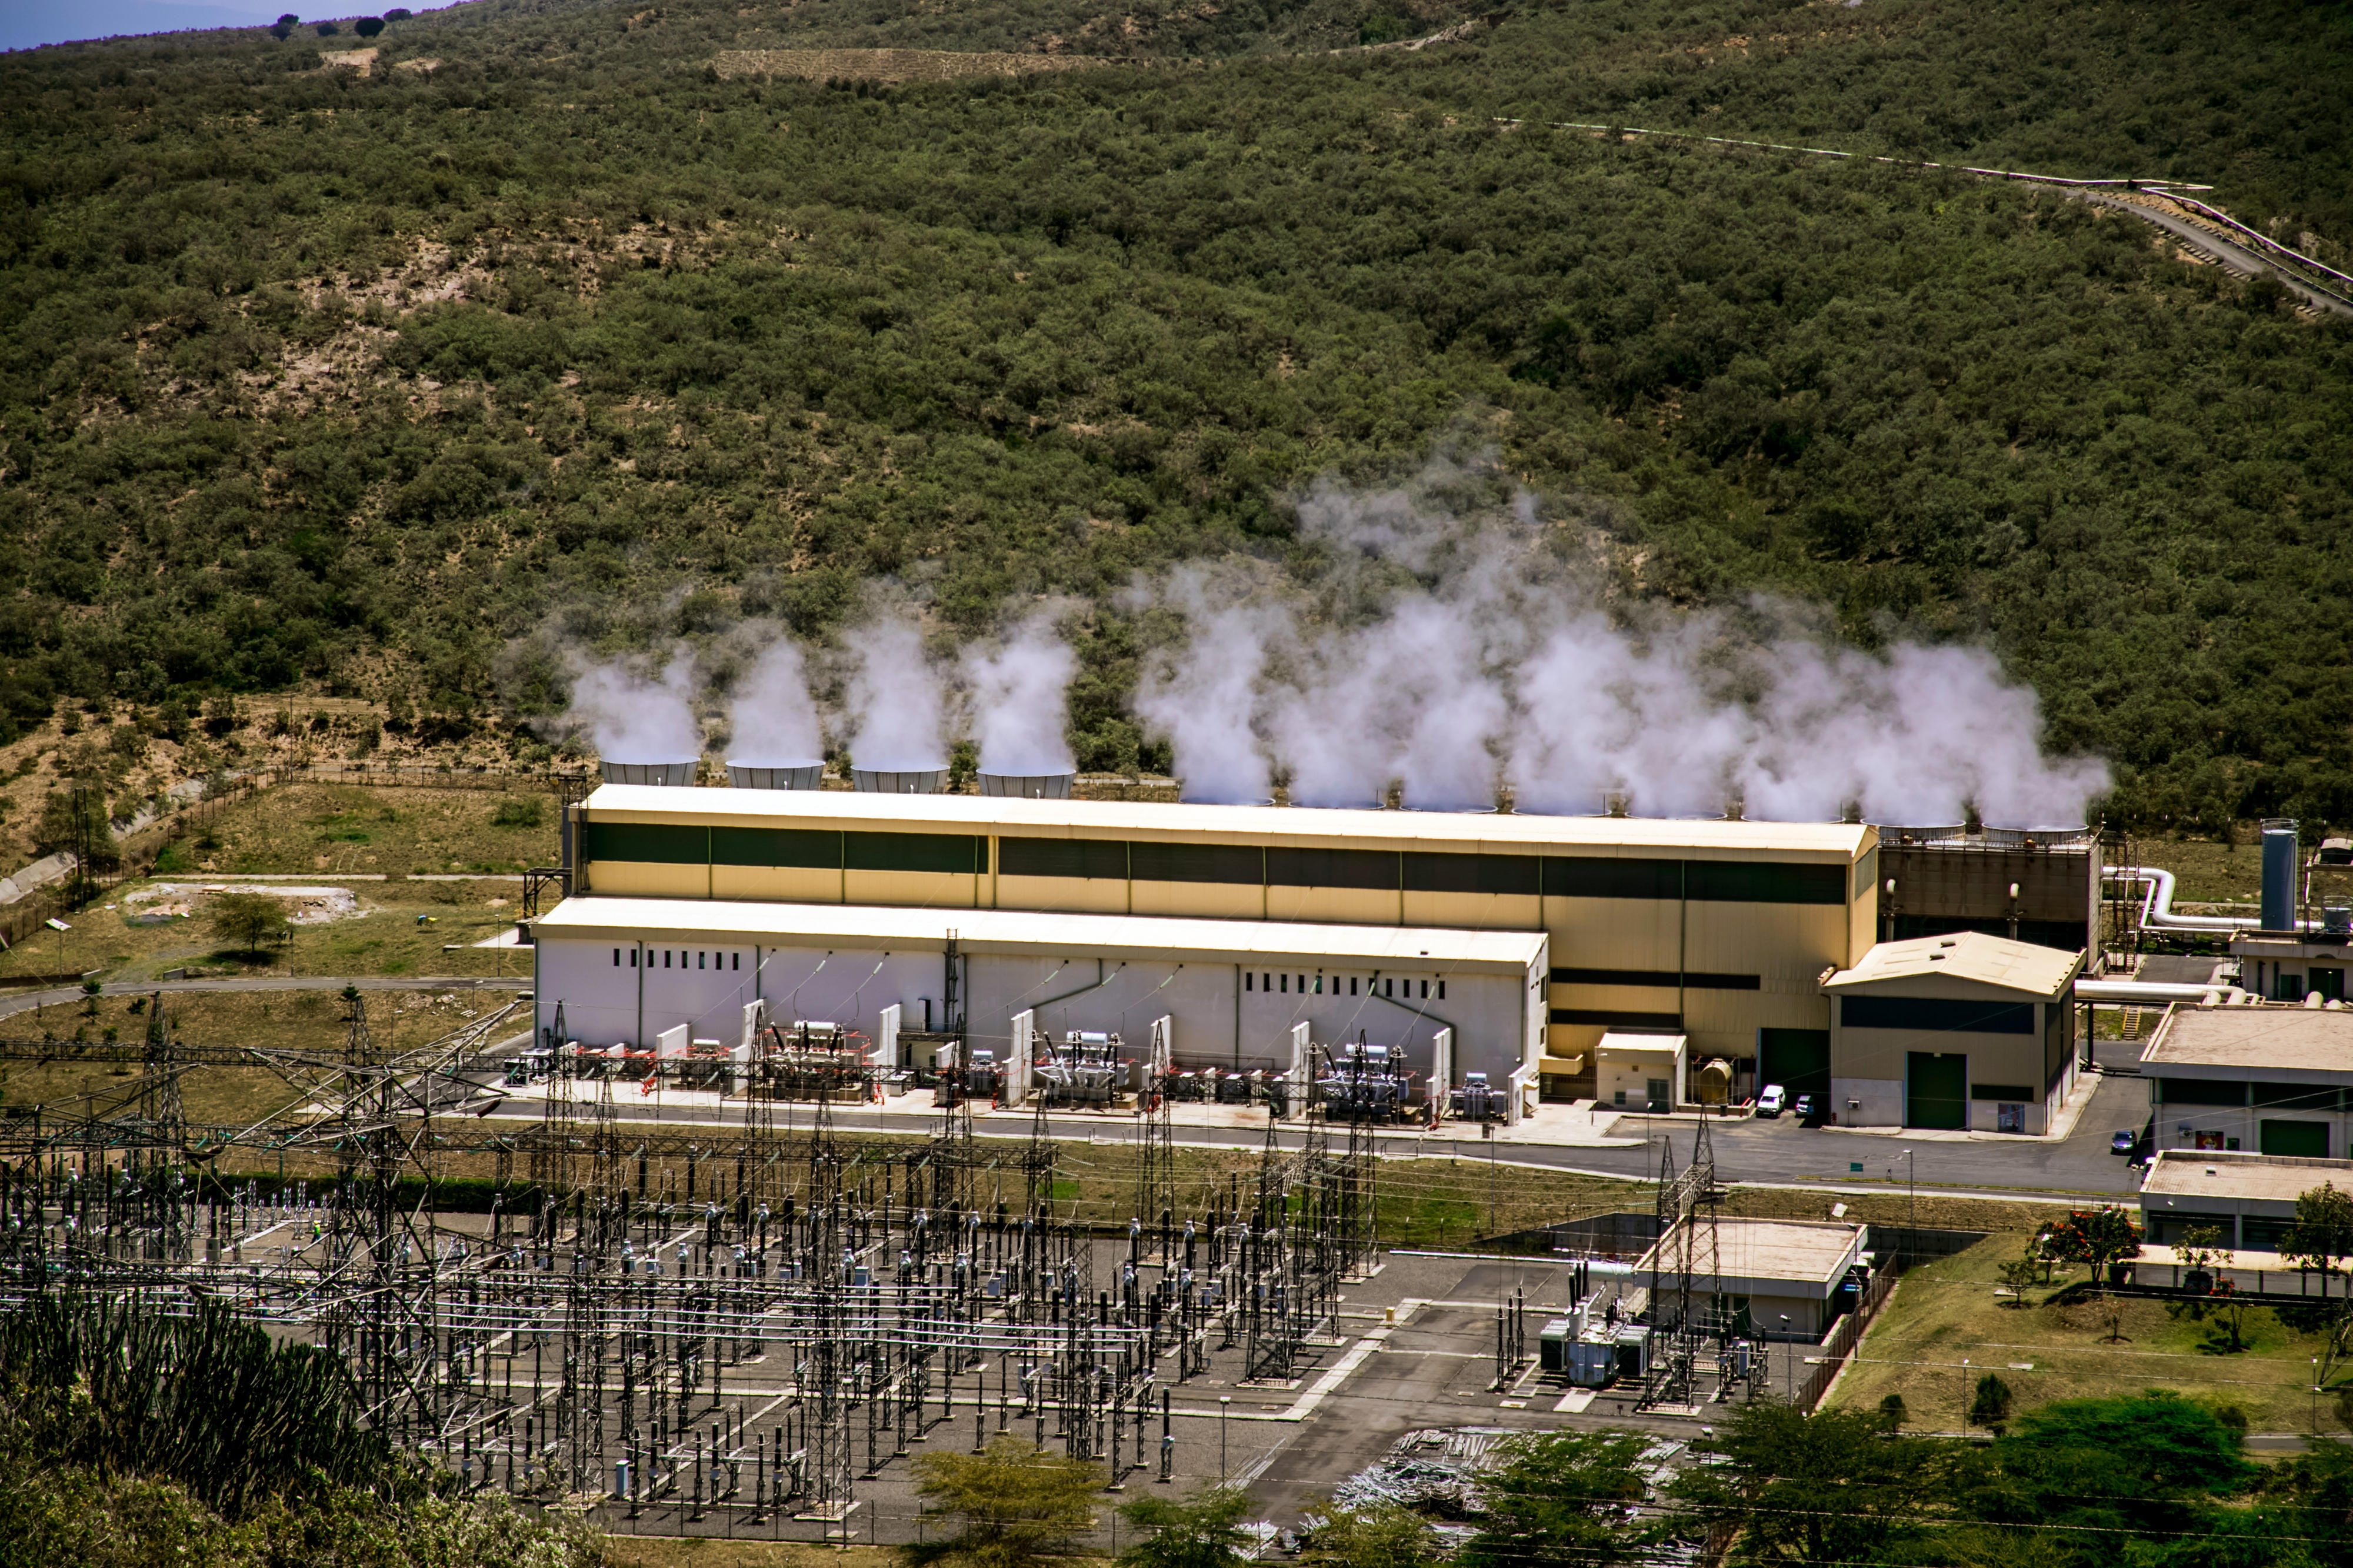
(353, 381)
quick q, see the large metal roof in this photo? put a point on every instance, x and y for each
(874, 928)
(1464, 831)
(1967, 955)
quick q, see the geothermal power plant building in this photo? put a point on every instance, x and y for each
(1528, 936)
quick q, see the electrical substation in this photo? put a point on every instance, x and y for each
(749, 1328)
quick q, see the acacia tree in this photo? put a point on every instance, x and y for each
(1199, 1531)
(2023, 1271)
(1016, 1506)
(249, 921)
(2100, 1237)
(2322, 1237)
(1832, 1487)
(1554, 1499)
(1383, 1536)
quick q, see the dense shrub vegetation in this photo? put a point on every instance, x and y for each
(316, 376)
(129, 1437)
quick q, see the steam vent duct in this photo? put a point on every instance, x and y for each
(1027, 786)
(900, 781)
(775, 775)
(676, 775)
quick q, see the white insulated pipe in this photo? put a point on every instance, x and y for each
(2156, 904)
(2153, 990)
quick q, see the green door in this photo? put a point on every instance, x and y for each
(1796, 1059)
(1936, 1091)
(2300, 1140)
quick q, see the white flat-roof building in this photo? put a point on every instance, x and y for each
(1775, 1269)
(1959, 1031)
(628, 969)
(2249, 1198)
(2258, 1077)
(1642, 1072)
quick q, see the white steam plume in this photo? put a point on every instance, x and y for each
(773, 720)
(1016, 696)
(1437, 643)
(895, 704)
(634, 716)
(1202, 697)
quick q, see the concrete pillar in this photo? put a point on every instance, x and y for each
(1017, 1064)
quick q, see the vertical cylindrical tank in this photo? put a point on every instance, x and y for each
(2279, 875)
(678, 775)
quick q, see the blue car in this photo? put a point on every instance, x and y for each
(2123, 1142)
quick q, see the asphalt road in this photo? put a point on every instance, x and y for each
(1776, 1153)
(2243, 259)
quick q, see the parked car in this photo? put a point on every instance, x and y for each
(1804, 1109)
(2122, 1140)
(1770, 1102)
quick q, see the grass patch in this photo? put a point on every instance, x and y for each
(401, 929)
(1954, 1309)
(350, 828)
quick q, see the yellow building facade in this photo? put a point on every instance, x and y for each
(1721, 931)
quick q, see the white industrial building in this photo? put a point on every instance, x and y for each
(1239, 996)
(1783, 1276)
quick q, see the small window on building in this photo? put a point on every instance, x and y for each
(1425, 990)
(1352, 985)
(1303, 985)
(735, 961)
(698, 961)
(633, 958)
(1441, 991)
(1250, 981)
(665, 958)
(616, 958)
(1286, 985)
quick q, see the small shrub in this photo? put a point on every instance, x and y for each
(524, 813)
